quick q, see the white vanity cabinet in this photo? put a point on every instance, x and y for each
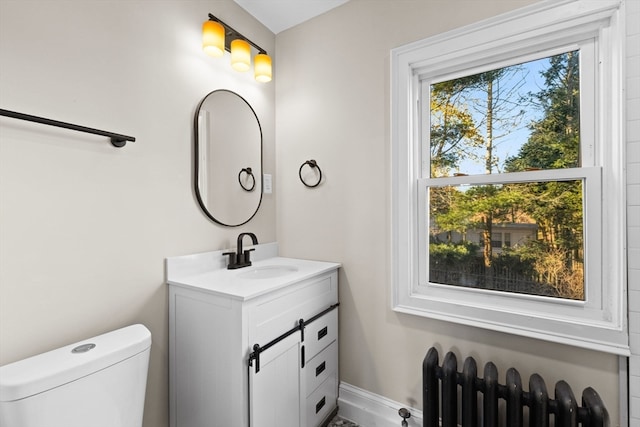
(218, 377)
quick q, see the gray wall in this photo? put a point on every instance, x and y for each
(333, 106)
(85, 227)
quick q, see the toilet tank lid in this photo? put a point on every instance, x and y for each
(48, 370)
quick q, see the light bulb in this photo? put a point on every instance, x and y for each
(262, 67)
(240, 55)
(213, 38)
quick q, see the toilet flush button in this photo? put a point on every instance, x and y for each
(83, 348)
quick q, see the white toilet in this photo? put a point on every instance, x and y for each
(98, 382)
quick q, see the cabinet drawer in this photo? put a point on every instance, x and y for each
(318, 369)
(322, 401)
(278, 312)
(320, 333)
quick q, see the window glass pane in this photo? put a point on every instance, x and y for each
(516, 118)
(524, 237)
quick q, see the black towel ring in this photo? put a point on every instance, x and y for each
(312, 164)
(249, 174)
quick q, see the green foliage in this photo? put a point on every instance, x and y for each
(451, 254)
(452, 130)
(515, 261)
(451, 210)
(554, 142)
(555, 257)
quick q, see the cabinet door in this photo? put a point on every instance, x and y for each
(275, 397)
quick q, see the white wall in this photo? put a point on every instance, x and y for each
(633, 202)
(333, 105)
(84, 226)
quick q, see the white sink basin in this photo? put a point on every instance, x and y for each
(268, 271)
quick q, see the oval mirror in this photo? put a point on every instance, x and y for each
(228, 158)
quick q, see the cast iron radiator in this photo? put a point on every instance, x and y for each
(443, 381)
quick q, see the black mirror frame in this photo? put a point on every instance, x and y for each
(196, 165)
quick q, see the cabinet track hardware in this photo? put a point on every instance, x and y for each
(117, 140)
(257, 348)
(249, 173)
(312, 164)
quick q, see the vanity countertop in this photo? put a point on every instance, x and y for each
(263, 276)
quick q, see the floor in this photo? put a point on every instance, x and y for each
(340, 422)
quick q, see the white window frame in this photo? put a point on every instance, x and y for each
(537, 31)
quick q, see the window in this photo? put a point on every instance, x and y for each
(507, 145)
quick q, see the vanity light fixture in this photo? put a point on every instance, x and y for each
(217, 37)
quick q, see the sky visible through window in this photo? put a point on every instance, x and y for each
(518, 118)
(516, 90)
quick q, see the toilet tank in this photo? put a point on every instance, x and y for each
(98, 382)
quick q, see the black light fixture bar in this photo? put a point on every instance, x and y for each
(231, 34)
(117, 139)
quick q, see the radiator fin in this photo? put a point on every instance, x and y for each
(443, 384)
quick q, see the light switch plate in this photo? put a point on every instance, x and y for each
(267, 183)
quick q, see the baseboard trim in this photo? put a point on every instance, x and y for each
(372, 410)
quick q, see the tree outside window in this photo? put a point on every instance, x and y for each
(518, 118)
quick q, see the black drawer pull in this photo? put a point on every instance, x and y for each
(322, 333)
(320, 404)
(320, 369)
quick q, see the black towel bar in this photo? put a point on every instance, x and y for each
(117, 140)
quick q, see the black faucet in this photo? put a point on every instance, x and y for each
(241, 258)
